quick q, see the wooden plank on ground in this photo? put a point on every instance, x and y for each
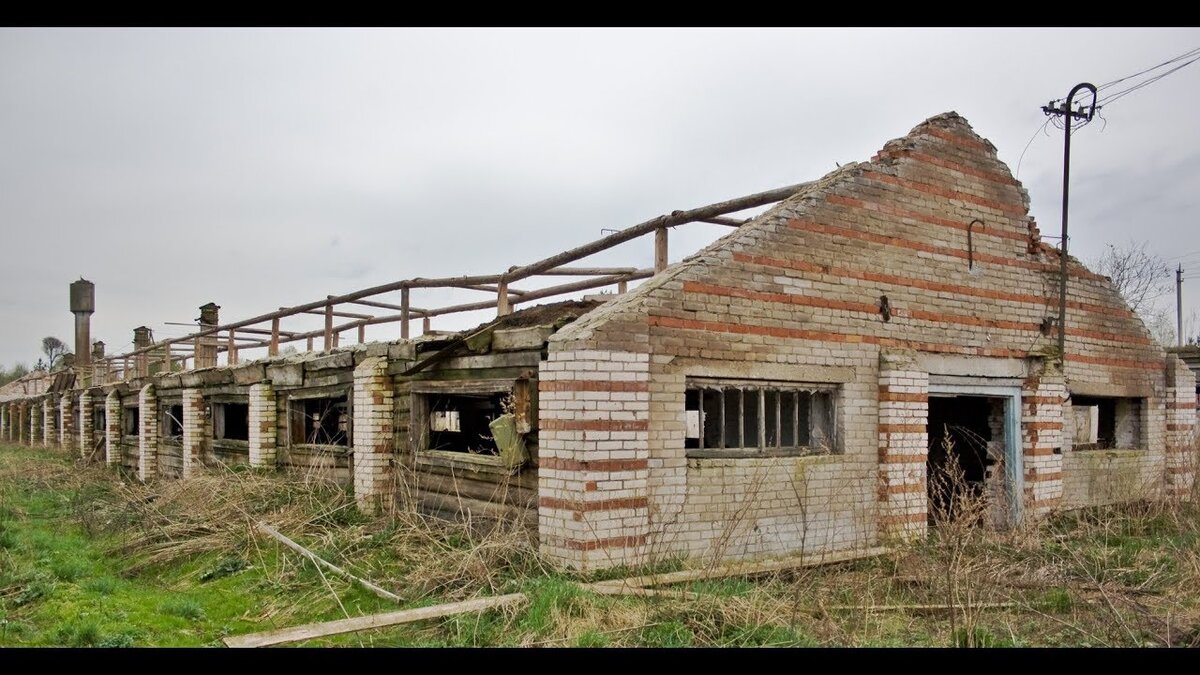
(274, 534)
(751, 568)
(316, 630)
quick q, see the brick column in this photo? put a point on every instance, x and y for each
(87, 422)
(593, 446)
(903, 446)
(35, 424)
(194, 432)
(1042, 398)
(66, 421)
(373, 438)
(147, 433)
(49, 420)
(1182, 457)
(112, 428)
(262, 420)
(4, 422)
(22, 422)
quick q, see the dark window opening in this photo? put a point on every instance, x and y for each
(129, 422)
(319, 421)
(231, 421)
(172, 424)
(757, 417)
(459, 422)
(1106, 423)
(99, 421)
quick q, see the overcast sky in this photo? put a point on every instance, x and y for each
(263, 168)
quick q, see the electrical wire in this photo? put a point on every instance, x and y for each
(1108, 100)
(1031, 139)
(1182, 56)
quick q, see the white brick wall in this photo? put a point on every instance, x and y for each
(262, 418)
(373, 437)
(87, 433)
(49, 420)
(147, 433)
(194, 432)
(112, 429)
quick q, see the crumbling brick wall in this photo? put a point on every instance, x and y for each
(929, 247)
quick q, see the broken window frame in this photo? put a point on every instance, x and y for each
(1110, 405)
(822, 406)
(297, 403)
(128, 413)
(166, 415)
(523, 391)
(218, 409)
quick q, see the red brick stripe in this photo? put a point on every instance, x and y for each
(822, 336)
(1042, 426)
(905, 489)
(903, 459)
(1181, 405)
(611, 542)
(898, 212)
(901, 428)
(1180, 427)
(1015, 210)
(901, 396)
(1118, 363)
(588, 507)
(1042, 400)
(1034, 477)
(1044, 503)
(956, 139)
(849, 233)
(1039, 452)
(903, 519)
(593, 425)
(592, 385)
(922, 157)
(596, 465)
(909, 282)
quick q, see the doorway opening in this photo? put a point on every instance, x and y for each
(965, 475)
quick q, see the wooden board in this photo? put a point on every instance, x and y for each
(316, 630)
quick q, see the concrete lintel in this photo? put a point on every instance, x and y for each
(971, 366)
(762, 371)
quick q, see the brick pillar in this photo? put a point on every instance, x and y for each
(262, 420)
(22, 422)
(112, 428)
(147, 433)
(35, 424)
(4, 422)
(593, 448)
(1182, 451)
(49, 421)
(373, 438)
(194, 437)
(87, 422)
(1042, 399)
(66, 421)
(903, 446)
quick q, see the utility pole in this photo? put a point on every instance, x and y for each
(1068, 114)
(1179, 305)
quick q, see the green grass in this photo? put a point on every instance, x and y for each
(67, 579)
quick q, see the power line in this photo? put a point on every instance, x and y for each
(1113, 97)
(1182, 56)
(1031, 139)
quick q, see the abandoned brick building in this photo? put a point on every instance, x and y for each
(791, 387)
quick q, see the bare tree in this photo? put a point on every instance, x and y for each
(55, 350)
(1141, 277)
